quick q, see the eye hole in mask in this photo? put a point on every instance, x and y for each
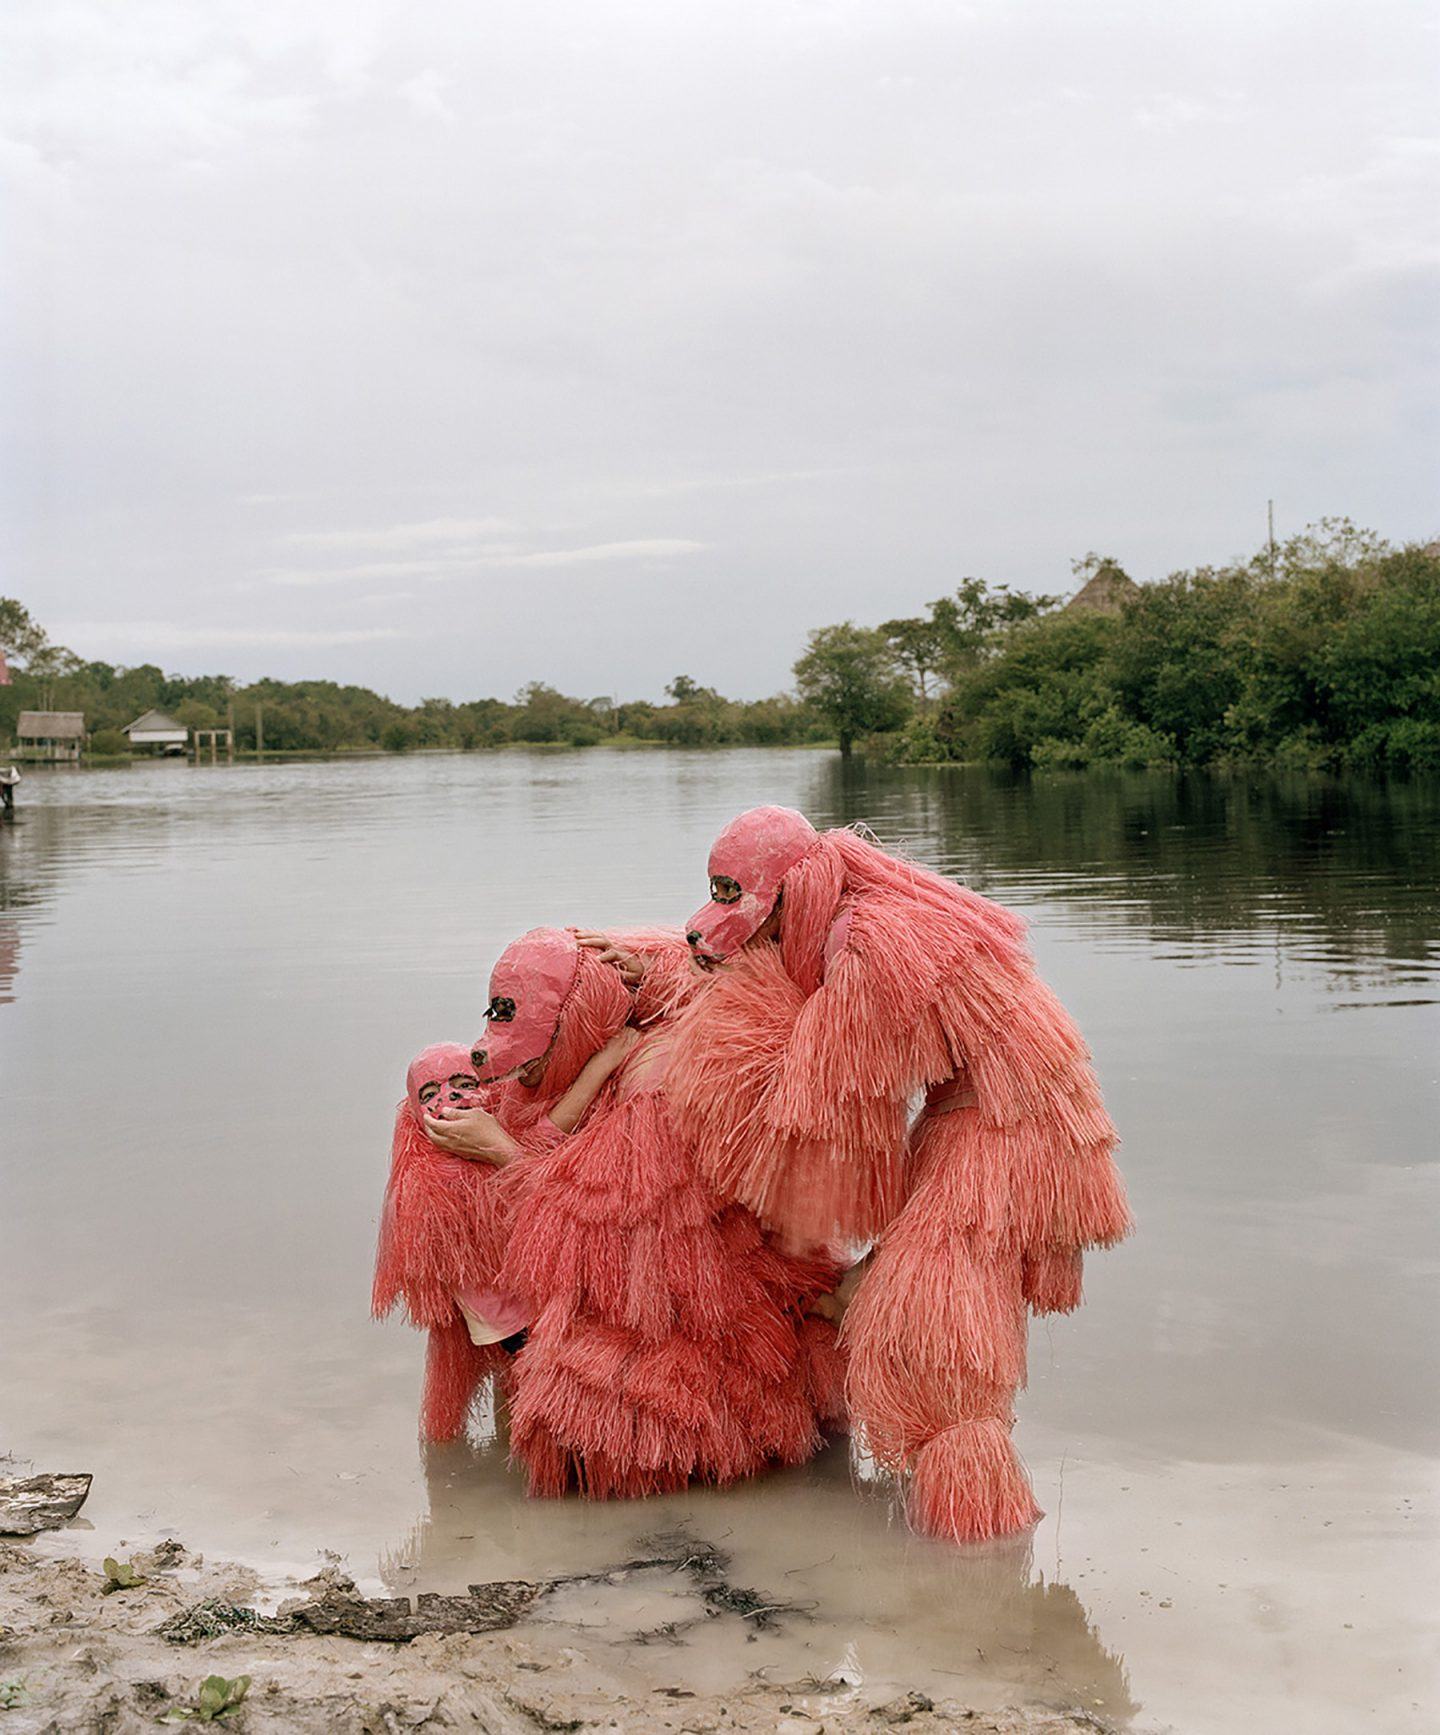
(464, 1081)
(501, 1009)
(428, 1092)
(724, 890)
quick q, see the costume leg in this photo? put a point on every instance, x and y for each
(937, 1338)
(454, 1368)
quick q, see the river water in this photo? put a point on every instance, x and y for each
(211, 980)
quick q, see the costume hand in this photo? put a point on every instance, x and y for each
(472, 1133)
(630, 965)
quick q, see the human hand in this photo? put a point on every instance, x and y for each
(630, 965)
(620, 1045)
(472, 1133)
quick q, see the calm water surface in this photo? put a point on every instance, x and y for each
(211, 981)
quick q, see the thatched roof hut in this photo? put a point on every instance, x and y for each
(1107, 592)
(50, 734)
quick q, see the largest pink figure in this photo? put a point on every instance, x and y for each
(853, 984)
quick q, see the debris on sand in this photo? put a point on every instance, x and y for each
(486, 1609)
(336, 1609)
(214, 1617)
(30, 1504)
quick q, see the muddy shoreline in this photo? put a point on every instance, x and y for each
(77, 1653)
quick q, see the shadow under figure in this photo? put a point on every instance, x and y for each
(852, 983)
(669, 1341)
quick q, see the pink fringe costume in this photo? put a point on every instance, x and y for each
(442, 1238)
(794, 1074)
(669, 1342)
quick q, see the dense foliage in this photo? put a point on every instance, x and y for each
(1324, 655)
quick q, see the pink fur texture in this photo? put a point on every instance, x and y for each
(667, 1345)
(794, 1074)
(969, 1484)
(442, 1230)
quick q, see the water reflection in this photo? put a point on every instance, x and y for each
(979, 1624)
(9, 958)
(1345, 874)
(1248, 870)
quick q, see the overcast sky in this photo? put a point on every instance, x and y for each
(446, 346)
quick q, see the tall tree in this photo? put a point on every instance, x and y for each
(20, 635)
(918, 646)
(970, 621)
(849, 675)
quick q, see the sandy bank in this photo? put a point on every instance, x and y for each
(75, 1655)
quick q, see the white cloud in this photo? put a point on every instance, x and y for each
(425, 94)
(646, 548)
(429, 530)
(304, 577)
(460, 563)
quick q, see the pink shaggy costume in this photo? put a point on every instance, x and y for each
(442, 1237)
(669, 1342)
(794, 1074)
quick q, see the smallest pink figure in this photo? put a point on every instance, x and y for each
(442, 1239)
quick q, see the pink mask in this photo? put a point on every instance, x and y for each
(529, 985)
(750, 858)
(442, 1076)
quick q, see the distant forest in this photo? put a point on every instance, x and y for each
(1321, 654)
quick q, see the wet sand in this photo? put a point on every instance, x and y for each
(1235, 1441)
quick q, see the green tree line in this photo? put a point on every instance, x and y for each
(1321, 654)
(325, 716)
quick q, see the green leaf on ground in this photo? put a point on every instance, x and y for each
(120, 1575)
(216, 1698)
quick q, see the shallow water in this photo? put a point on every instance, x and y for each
(211, 980)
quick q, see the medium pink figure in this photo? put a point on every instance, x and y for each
(853, 983)
(669, 1341)
(442, 1238)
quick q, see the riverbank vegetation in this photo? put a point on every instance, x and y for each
(326, 717)
(1323, 654)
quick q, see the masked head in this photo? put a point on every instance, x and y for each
(750, 858)
(531, 982)
(442, 1076)
(551, 1001)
